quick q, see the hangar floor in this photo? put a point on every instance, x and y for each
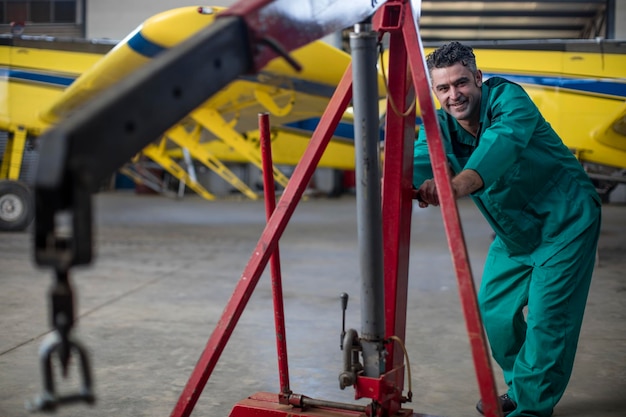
(166, 268)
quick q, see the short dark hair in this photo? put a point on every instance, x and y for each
(451, 53)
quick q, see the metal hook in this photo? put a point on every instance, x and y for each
(49, 400)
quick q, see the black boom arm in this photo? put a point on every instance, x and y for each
(91, 144)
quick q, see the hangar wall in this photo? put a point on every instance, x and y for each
(114, 19)
(620, 19)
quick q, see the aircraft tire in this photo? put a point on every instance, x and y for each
(17, 207)
(604, 189)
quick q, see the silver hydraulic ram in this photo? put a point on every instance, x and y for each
(363, 43)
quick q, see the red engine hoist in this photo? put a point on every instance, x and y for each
(68, 175)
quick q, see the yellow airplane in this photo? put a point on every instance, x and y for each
(578, 85)
(48, 79)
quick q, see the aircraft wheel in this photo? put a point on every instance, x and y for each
(604, 189)
(17, 208)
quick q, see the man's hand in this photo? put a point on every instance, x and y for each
(463, 184)
(427, 194)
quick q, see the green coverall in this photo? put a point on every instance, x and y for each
(546, 216)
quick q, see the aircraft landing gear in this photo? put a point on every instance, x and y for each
(17, 208)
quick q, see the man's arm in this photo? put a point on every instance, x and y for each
(466, 183)
(514, 118)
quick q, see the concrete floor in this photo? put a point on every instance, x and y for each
(166, 268)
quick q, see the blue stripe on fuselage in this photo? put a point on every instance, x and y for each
(37, 77)
(143, 46)
(581, 85)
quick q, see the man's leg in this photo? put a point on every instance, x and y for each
(557, 297)
(502, 297)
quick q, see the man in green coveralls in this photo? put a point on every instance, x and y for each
(545, 213)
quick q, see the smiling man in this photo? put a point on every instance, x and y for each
(545, 213)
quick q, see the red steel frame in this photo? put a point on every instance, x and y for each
(394, 17)
(266, 245)
(452, 225)
(277, 286)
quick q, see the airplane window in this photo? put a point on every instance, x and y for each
(38, 11)
(16, 12)
(64, 11)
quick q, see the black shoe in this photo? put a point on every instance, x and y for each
(507, 404)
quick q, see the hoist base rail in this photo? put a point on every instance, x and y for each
(265, 404)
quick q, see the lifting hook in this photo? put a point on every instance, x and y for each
(63, 343)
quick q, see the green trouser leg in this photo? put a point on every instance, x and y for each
(537, 355)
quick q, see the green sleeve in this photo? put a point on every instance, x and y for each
(512, 122)
(422, 169)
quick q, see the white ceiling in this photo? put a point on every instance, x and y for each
(501, 20)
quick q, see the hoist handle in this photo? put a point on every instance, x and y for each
(344, 306)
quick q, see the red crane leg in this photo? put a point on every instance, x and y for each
(277, 285)
(452, 225)
(265, 246)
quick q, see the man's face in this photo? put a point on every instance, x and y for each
(458, 91)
